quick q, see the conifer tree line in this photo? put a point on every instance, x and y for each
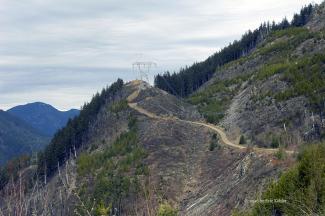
(70, 138)
(189, 79)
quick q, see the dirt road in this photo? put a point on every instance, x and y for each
(219, 130)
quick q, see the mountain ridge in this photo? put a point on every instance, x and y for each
(43, 117)
(273, 94)
(189, 79)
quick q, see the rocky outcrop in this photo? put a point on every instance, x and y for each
(317, 21)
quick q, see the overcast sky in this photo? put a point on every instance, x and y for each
(62, 51)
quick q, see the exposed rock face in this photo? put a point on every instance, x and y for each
(318, 20)
(310, 46)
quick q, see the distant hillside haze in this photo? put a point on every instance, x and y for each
(43, 117)
(18, 138)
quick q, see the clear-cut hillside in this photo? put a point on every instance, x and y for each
(137, 150)
(195, 179)
(273, 96)
(146, 148)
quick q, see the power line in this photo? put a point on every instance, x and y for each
(143, 68)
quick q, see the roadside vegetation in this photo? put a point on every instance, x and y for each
(299, 191)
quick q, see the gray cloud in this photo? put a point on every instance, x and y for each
(62, 51)
(65, 87)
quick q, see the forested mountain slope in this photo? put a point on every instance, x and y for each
(274, 95)
(189, 79)
(43, 117)
(18, 138)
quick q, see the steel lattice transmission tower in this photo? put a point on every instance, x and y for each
(143, 68)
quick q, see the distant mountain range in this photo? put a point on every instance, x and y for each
(43, 117)
(28, 128)
(18, 137)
